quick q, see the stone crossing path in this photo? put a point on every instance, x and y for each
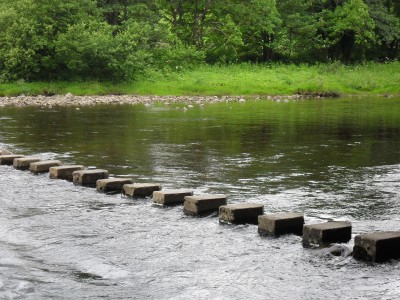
(376, 246)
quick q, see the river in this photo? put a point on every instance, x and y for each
(333, 159)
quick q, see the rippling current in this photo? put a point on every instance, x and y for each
(331, 159)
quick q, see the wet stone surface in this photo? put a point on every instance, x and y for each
(8, 159)
(111, 184)
(377, 246)
(43, 166)
(327, 233)
(89, 177)
(171, 197)
(140, 189)
(246, 213)
(203, 204)
(281, 223)
(64, 172)
(23, 163)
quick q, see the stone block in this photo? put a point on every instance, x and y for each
(111, 184)
(327, 233)
(201, 204)
(8, 159)
(377, 246)
(23, 163)
(43, 166)
(140, 189)
(64, 172)
(5, 152)
(88, 177)
(246, 213)
(171, 197)
(281, 223)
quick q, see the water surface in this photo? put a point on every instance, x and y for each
(331, 159)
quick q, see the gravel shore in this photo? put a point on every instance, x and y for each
(71, 100)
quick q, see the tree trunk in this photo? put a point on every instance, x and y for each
(347, 45)
(199, 17)
(266, 49)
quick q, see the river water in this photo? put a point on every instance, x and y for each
(331, 159)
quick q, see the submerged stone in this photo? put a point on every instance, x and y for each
(111, 184)
(340, 250)
(23, 163)
(201, 204)
(246, 213)
(377, 246)
(64, 172)
(140, 189)
(327, 233)
(88, 177)
(281, 223)
(171, 197)
(8, 159)
(43, 166)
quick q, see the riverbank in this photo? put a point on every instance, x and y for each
(71, 100)
(244, 79)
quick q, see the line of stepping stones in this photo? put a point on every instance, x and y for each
(377, 246)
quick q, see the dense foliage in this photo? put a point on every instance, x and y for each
(119, 39)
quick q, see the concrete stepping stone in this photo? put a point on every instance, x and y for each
(111, 184)
(5, 152)
(327, 233)
(88, 177)
(281, 223)
(245, 213)
(43, 166)
(64, 172)
(23, 163)
(8, 159)
(377, 246)
(140, 189)
(171, 197)
(202, 204)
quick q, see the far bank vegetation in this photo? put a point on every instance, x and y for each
(125, 40)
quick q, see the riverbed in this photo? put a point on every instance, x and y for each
(333, 159)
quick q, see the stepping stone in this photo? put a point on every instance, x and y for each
(5, 152)
(43, 166)
(140, 189)
(23, 163)
(246, 213)
(171, 197)
(89, 177)
(377, 246)
(281, 223)
(201, 204)
(327, 233)
(111, 184)
(8, 159)
(64, 172)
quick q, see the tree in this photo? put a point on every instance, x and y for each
(119, 39)
(257, 21)
(297, 37)
(29, 29)
(76, 39)
(387, 20)
(352, 26)
(226, 30)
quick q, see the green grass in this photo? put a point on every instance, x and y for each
(241, 79)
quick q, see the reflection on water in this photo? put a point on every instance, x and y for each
(333, 159)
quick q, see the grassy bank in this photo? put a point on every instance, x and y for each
(243, 79)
